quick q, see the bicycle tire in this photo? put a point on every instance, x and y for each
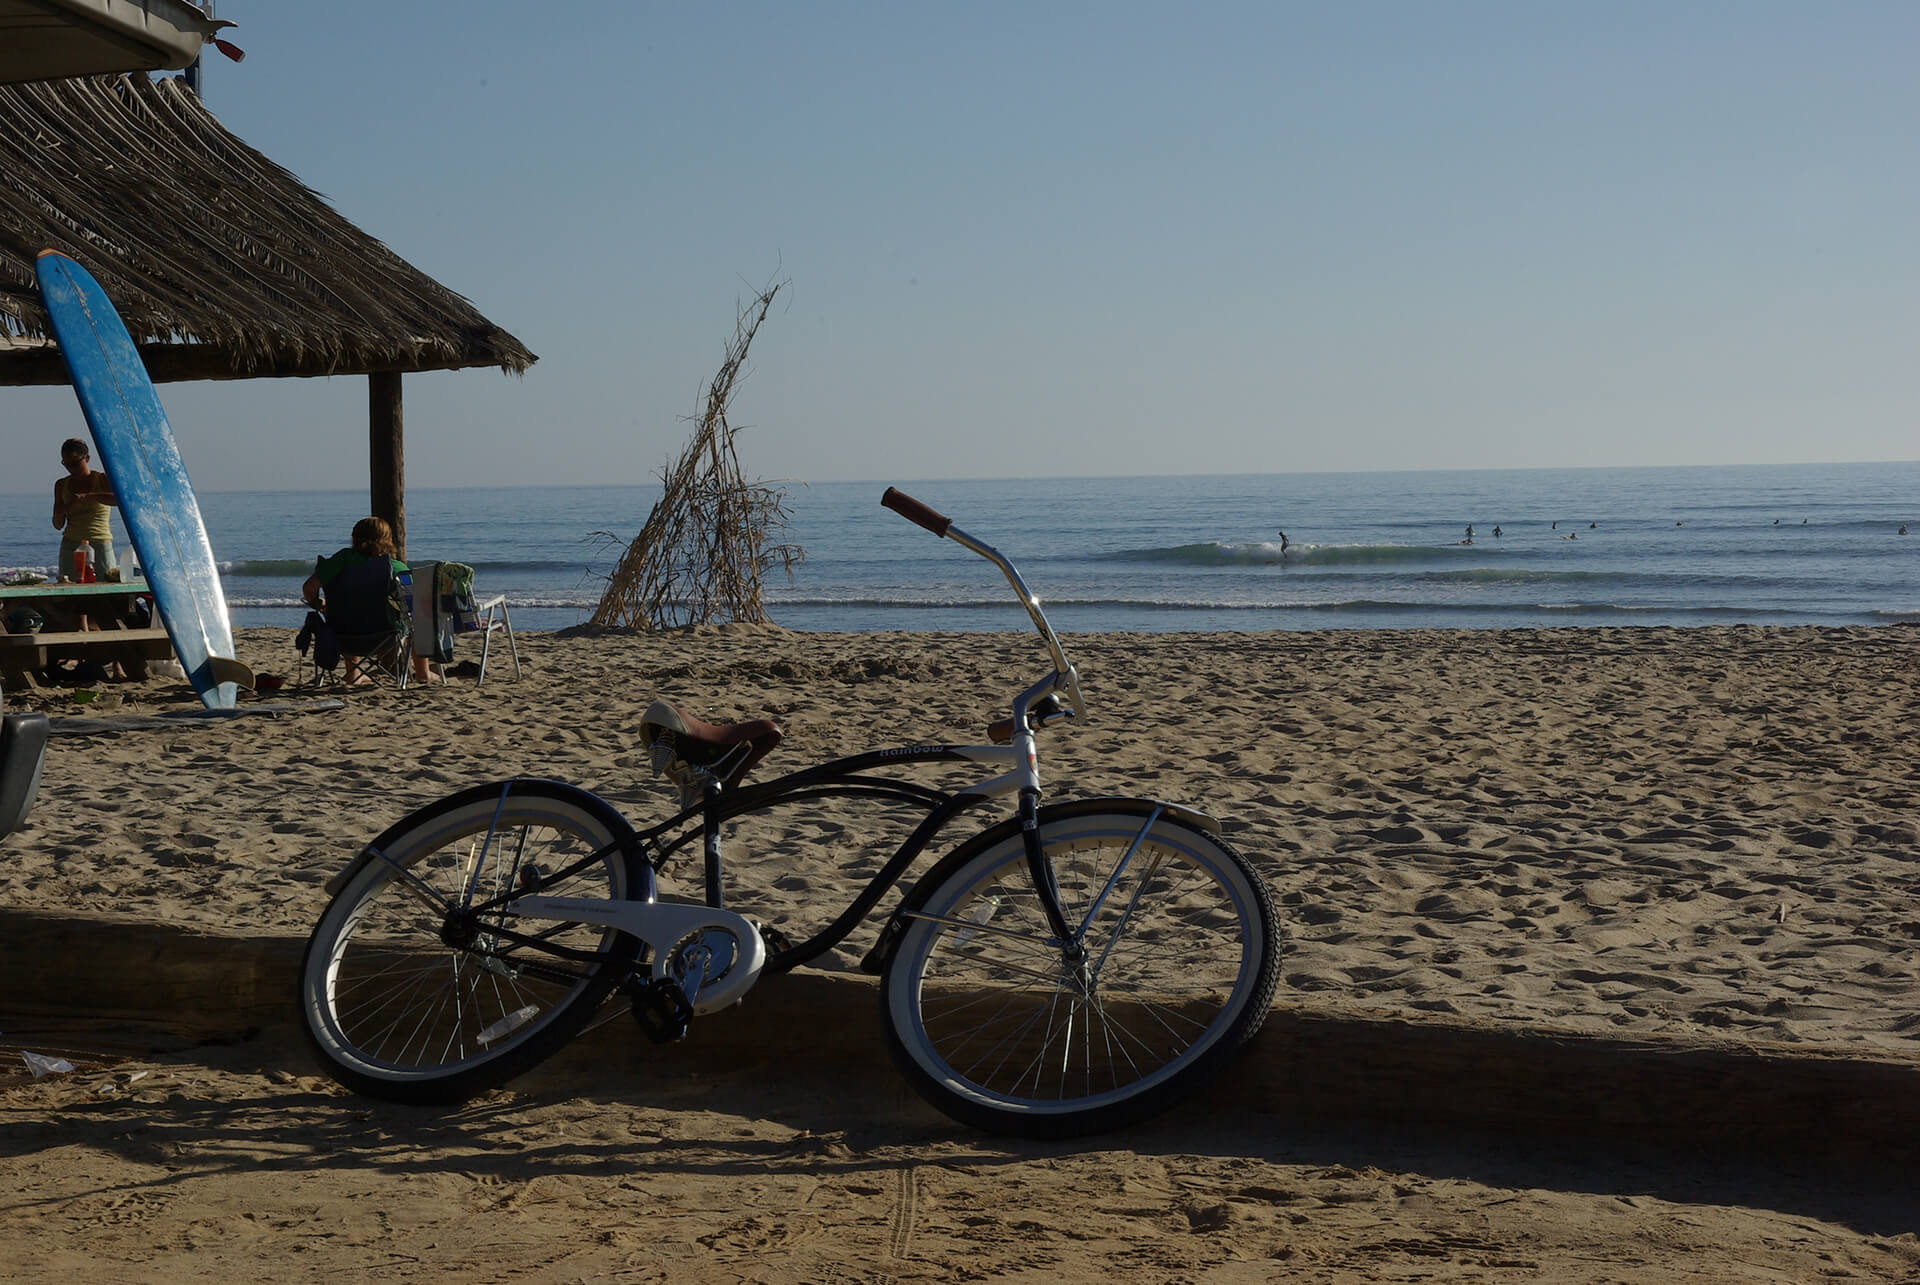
(992, 1026)
(397, 1011)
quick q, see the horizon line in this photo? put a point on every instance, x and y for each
(1069, 477)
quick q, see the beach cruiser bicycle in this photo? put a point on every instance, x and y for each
(1072, 968)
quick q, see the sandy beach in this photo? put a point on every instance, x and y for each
(1706, 836)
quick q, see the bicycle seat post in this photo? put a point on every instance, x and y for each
(710, 842)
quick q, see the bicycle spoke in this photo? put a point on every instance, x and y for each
(1005, 1045)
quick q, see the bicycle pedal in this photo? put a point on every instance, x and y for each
(662, 1010)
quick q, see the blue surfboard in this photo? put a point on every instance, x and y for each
(138, 453)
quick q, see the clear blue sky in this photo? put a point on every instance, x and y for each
(1070, 239)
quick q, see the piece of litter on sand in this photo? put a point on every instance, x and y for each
(46, 1065)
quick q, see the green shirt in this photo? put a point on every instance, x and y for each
(327, 568)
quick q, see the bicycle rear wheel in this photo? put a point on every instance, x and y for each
(405, 996)
(996, 1026)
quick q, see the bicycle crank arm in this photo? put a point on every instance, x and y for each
(714, 955)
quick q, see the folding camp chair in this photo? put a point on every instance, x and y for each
(366, 611)
(492, 618)
(315, 637)
(443, 607)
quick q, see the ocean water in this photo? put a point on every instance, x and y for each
(1808, 544)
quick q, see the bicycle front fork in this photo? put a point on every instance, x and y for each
(1040, 870)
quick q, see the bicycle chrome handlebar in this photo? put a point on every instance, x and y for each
(1065, 678)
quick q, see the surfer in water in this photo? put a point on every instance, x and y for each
(1284, 542)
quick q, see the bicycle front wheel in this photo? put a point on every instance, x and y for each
(409, 995)
(1003, 1028)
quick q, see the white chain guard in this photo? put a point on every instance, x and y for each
(663, 925)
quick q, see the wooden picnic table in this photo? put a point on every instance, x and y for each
(82, 622)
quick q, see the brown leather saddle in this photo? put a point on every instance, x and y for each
(686, 748)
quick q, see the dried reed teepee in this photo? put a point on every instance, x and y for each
(712, 534)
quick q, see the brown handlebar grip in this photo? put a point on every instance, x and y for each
(914, 511)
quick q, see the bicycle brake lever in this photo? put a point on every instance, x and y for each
(1047, 711)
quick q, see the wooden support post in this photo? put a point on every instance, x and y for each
(386, 457)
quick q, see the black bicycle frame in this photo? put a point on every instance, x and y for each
(839, 779)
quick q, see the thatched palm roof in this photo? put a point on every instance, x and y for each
(222, 264)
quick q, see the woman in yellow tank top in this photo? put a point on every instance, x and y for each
(80, 503)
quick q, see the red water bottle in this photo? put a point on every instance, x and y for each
(83, 566)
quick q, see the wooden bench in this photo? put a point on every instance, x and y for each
(21, 654)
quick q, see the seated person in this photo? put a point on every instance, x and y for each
(372, 538)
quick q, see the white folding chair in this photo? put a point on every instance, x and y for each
(494, 617)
